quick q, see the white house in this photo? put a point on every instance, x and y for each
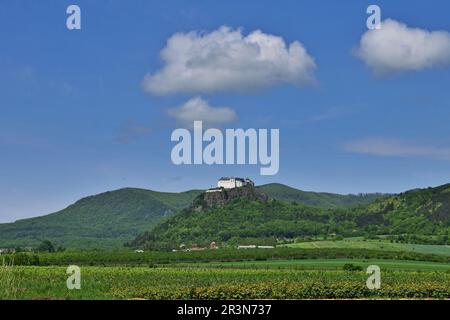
(233, 182)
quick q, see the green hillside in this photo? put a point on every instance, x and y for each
(317, 199)
(109, 219)
(105, 220)
(244, 220)
(419, 211)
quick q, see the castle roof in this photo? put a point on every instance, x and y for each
(229, 178)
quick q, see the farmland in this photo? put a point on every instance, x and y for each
(158, 258)
(285, 273)
(324, 264)
(175, 283)
(379, 244)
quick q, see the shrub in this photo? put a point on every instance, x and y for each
(351, 267)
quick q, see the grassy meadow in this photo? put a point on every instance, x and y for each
(324, 264)
(377, 244)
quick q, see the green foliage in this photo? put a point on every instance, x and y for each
(419, 213)
(129, 258)
(379, 243)
(187, 283)
(9, 282)
(46, 246)
(106, 220)
(351, 267)
(317, 199)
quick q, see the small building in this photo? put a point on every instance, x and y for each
(197, 249)
(213, 246)
(252, 246)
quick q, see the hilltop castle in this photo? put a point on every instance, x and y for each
(231, 183)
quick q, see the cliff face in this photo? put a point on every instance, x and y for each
(222, 197)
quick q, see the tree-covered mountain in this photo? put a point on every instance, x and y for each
(112, 218)
(109, 219)
(246, 220)
(317, 199)
(106, 220)
(418, 211)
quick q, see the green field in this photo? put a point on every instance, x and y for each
(186, 283)
(359, 243)
(325, 264)
(280, 273)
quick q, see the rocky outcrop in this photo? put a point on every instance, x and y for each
(223, 196)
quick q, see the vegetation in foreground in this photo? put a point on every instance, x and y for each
(323, 264)
(186, 283)
(283, 273)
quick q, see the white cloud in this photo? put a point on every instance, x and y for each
(392, 147)
(131, 130)
(226, 60)
(396, 47)
(199, 109)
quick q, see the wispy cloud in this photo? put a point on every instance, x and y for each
(131, 130)
(397, 148)
(328, 114)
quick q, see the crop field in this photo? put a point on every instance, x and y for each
(281, 273)
(155, 258)
(358, 243)
(30, 282)
(325, 264)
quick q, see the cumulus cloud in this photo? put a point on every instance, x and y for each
(392, 147)
(226, 60)
(396, 47)
(199, 109)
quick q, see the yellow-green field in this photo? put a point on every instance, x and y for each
(203, 283)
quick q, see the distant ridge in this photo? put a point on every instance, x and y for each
(105, 220)
(317, 199)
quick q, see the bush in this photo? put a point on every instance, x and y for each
(351, 267)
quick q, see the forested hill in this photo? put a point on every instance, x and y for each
(245, 220)
(106, 220)
(109, 219)
(317, 199)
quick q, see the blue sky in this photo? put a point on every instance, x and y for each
(76, 120)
